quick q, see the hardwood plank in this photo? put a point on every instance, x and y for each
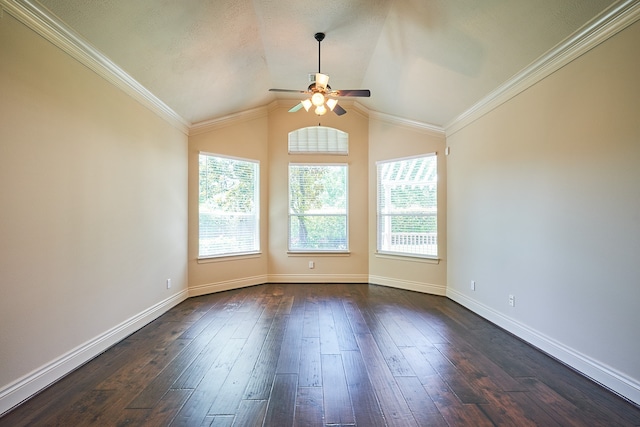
(481, 371)
(459, 384)
(394, 406)
(392, 355)
(419, 364)
(366, 408)
(561, 409)
(344, 334)
(250, 413)
(197, 406)
(157, 387)
(311, 320)
(501, 409)
(244, 368)
(218, 420)
(533, 410)
(310, 369)
(87, 410)
(328, 337)
(337, 404)
(282, 402)
(309, 407)
(424, 410)
(222, 330)
(167, 408)
(261, 378)
(288, 361)
(452, 409)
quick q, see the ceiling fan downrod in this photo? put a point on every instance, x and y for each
(319, 37)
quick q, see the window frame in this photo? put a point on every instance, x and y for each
(291, 250)
(256, 211)
(379, 215)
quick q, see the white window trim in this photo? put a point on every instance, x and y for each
(239, 254)
(292, 252)
(380, 253)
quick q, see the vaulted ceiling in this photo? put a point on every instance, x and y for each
(423, 60)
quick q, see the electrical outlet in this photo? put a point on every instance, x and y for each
(312, 264)
(168, 283)
(473, 285)
(512, 300)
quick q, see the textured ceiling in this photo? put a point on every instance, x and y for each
(423, 60)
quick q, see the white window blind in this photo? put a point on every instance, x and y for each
(318, 139)
(407, 206)
(228, 206)
(318, 207)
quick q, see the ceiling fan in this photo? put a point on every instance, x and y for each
(320, 93)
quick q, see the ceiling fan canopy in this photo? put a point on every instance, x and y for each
(321, 96)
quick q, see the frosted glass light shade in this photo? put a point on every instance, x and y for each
(321, 81)
(317, 99)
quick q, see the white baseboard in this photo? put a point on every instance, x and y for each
(599, 372)
(318, 278)
(227, 285)
(23, 388)
(426, 288)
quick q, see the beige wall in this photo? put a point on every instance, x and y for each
(243, 138)
(263, 136)
(285, 267)
(93, 193)
(392, 141)
(544, 204)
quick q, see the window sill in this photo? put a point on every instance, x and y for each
(407, 257)
(233, 257)
(318, 253)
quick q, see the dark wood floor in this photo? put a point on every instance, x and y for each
(322, 355)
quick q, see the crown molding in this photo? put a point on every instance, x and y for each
(413, 124)
(49, 26)
(216, 123)
(610, 22)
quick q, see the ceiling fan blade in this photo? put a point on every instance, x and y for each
(296, 107)
(352, 92)
(288, 90)
(339, 110)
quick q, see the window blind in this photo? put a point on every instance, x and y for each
(318, 139)
(407, 206)
(228, 206)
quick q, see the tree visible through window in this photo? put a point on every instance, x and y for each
(228, 206)
(407, 206)
(318, 207)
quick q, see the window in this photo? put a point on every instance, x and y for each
(318, 139)
(318, 208)
(407, 206)
(228, 206)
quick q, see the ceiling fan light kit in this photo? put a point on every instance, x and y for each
(320, 93)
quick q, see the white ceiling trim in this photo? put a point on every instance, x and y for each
(608, 23)
(209, 125)
(413, 124)
(43, 22)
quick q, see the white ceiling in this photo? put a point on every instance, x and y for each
(423, 60)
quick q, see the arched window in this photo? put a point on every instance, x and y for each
(318, 139)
